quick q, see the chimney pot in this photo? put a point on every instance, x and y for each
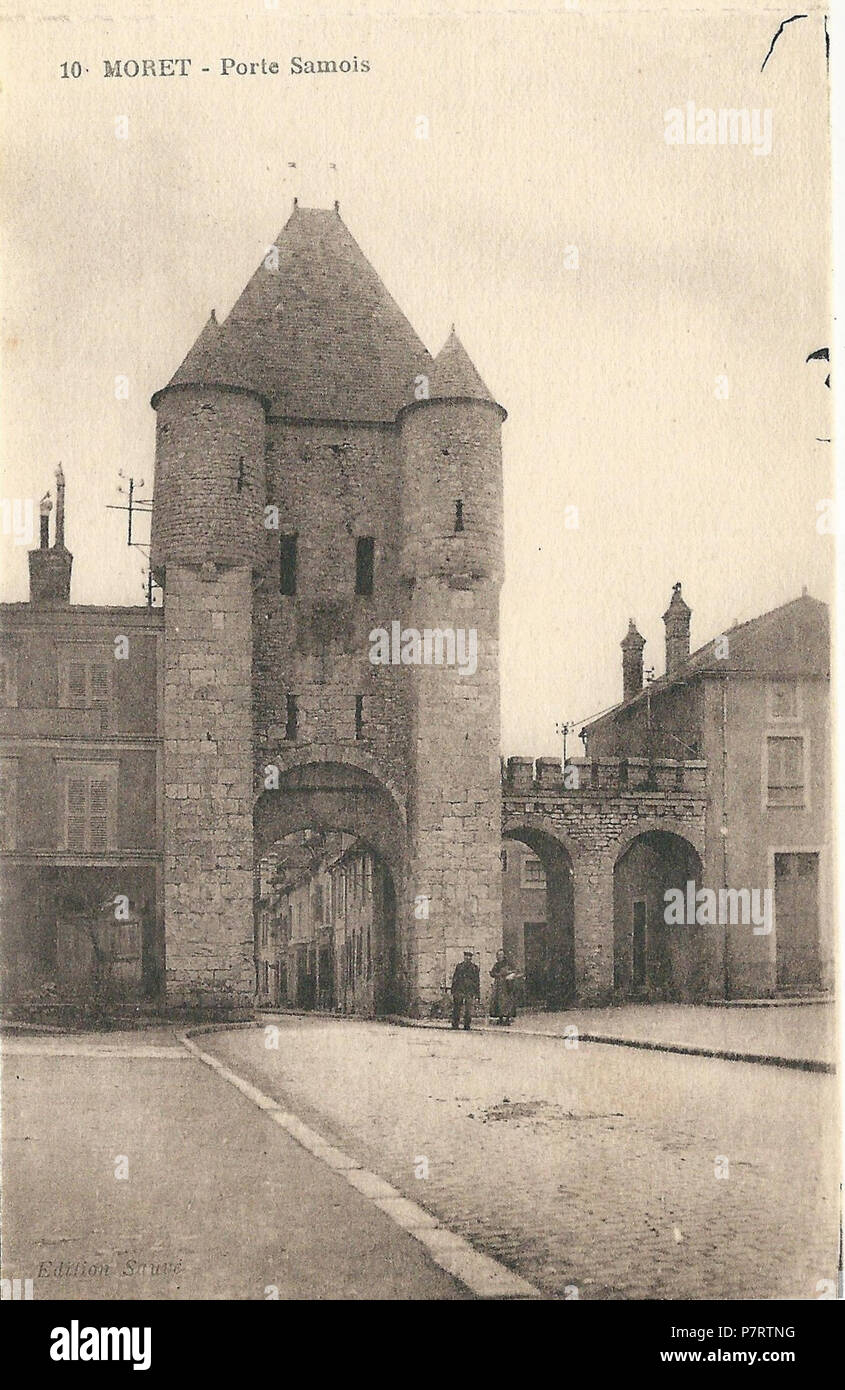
(677, 621)
(632, 661)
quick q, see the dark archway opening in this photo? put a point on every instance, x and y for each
(538, 918)
(655, 959)
(329, 847)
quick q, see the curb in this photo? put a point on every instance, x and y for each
(765, 1059)
(481, 1274)
(721, 1054)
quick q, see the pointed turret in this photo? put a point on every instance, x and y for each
(451, 436)
(209, 363)
(454, 377)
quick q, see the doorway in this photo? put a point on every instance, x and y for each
(797, 921)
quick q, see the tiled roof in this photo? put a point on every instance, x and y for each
(317, 334)
(791, 640)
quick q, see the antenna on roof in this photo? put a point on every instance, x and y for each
(136, 505)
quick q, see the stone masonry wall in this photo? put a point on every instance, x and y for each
(209, 486)
(455, 829)
(331, 484)
(207, 714)
(614, 802)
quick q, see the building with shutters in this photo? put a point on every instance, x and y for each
(80, 823)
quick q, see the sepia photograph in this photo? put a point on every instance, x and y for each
(418, 866)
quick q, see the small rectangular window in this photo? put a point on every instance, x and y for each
(359, 716)
(459, 515)
(783, 700)
(287, 564)
(785, 759)
(365, 547)
(290, 726)
(533, 872)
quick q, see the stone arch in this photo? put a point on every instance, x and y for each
(691, 830)
(544, 950)
(332, 795)
(654, 959)
(340, 754)
(516, 822)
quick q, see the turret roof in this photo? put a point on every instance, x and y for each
(315, 331)
(454, 374)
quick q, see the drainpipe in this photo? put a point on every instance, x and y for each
(724, 835)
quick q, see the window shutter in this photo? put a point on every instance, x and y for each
(98, 824)
(99, 687)
(76, 812)
(76, 683)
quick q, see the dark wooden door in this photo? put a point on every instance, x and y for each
(536, 964)
(797, 920)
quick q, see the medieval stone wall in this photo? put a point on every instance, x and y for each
(209, 486)
(207, 724)
(614, 802)
(331, 484)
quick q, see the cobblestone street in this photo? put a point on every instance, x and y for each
(592, 1168)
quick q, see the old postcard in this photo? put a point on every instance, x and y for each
(417, 768)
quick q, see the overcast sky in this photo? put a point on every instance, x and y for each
(546, 132)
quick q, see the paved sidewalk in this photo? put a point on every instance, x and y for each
(788, 1031)
(800, 1035)
(218, 1201)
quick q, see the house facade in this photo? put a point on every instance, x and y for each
(754, 705)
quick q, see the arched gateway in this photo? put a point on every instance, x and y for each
(353, 833)
(610, 847)
(327, 531)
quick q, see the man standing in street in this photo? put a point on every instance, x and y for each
(466, 986)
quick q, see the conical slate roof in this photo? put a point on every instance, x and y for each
(315, 331)
(454, 375)
(208, 362)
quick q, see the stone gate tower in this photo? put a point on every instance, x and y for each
(323, 487)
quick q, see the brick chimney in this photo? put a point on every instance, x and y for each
(676, 618)
(49, 568)
(632, 661)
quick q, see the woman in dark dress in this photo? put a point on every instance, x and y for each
(504, 996)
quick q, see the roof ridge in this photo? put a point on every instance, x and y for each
(749, 622)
